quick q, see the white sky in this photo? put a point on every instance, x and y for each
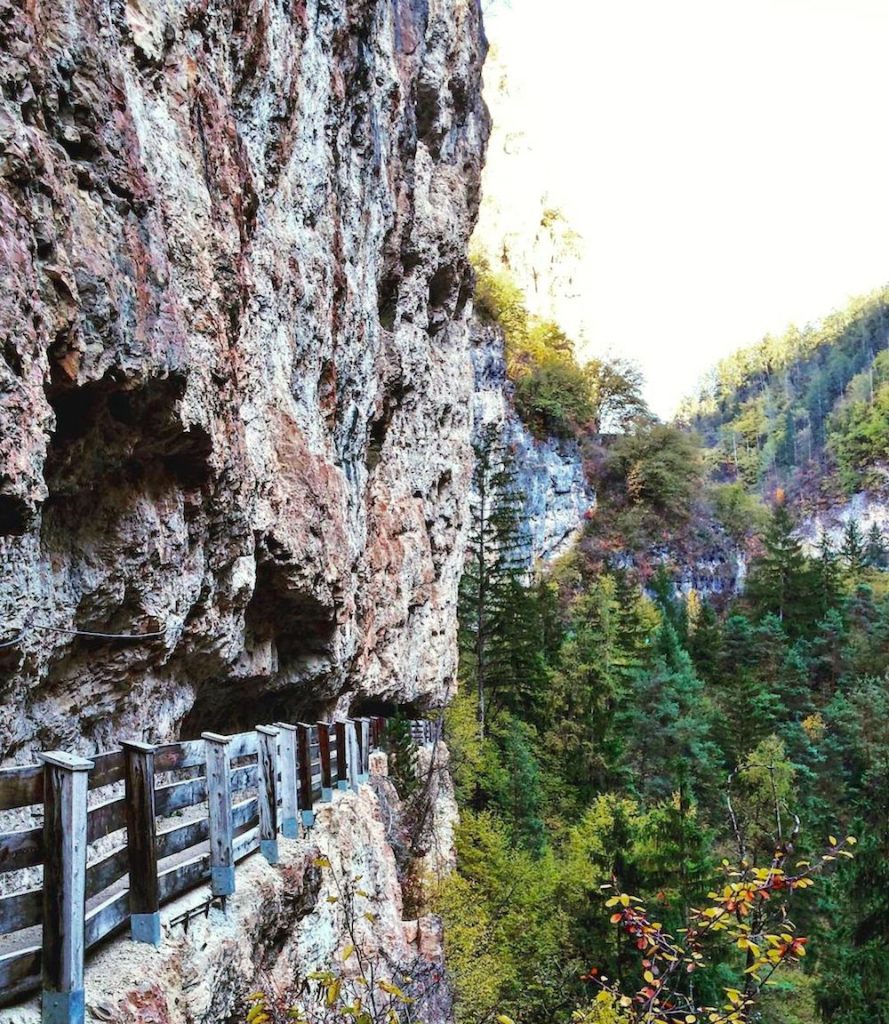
(726, 161)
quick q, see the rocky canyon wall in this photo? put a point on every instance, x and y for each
(234, 360)
(556, 497)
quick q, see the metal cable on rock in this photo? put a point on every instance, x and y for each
(81, 632)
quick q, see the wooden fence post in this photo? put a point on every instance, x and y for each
(324, 756)
(354, 748)
(65, 787)
(145, 917)
(267, 737)
(379, 727)
(304, 744)
(364, 736)
(342, 761)
(289, 797)
(219, 805)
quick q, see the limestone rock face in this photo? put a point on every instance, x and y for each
(234, 360)
(549, 473)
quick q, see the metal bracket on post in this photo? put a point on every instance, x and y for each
(145, 917)
(219, 805)
(289, 797)
(65, 787)
(267, 737)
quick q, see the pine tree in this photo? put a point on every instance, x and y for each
(877, 553)
(779, 581)
(854, 551)
(705, 643)
(499, 628)
(827, 574)
(592, 678)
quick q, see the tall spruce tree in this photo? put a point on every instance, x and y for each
(854, 551)
(499, 627)
(877, 553)
(780, 581)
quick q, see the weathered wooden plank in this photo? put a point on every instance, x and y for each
(179, 879)
(107, 871)
(168, 799)
(324, 758)
(245, 816)
(246, 844)
(304, 762)
(342, 759)
(267, 739)
(186, 754)
(106, 918)
(19, 973)
(145, 921)
(289, 790)
(109, 768)
(183, 837)
(21, 849)
(21, 910)
(219, 809)
(21, 787)
(245, 777)
(65, 787)
(353, 753)
(242, 744)
(363, 726)
(106, 818)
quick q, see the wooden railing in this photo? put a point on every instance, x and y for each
(127, 831)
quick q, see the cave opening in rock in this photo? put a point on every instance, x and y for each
(109, 431)
(286, 674)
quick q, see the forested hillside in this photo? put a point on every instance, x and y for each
(808, 408)
(672, 792)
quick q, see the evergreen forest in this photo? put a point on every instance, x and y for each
(634, 756)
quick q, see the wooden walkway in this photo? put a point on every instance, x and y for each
(127, 831)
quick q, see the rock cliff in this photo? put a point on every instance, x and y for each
(549, 473)
(234, 359)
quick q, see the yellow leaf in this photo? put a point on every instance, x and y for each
(348, 951)
(503, 1019)
(649, 977)
(333, 991)
(832, 840)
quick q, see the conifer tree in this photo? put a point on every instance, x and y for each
(779, 581)
(877, 553)
(499, 628)
(827, 574)
(854, 551)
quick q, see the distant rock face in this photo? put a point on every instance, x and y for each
(549, 473)
(867, 510)
(234, 361)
